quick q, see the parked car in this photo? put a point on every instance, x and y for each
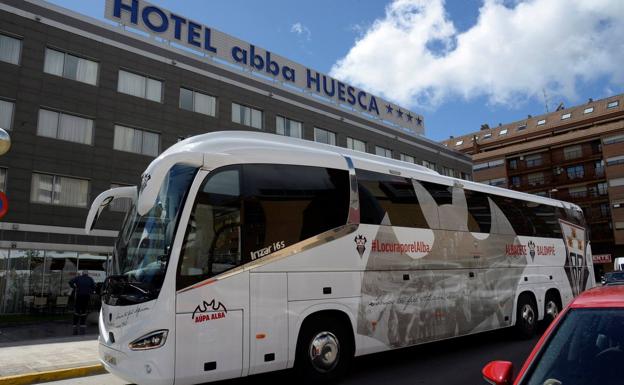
(583, 346)
(613, 278)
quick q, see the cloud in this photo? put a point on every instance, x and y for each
(301, 30)
(414, 55)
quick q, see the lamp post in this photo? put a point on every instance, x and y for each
(5, 141)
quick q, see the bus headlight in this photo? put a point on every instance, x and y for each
(152, 340)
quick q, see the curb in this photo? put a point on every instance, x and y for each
(52, 375)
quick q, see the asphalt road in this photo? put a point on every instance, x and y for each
(458, 361)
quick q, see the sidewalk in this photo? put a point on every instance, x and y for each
(47, 351)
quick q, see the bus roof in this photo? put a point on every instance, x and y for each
(221, 148)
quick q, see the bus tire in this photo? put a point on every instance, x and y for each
(552, 307)
(324, 351)
(526, 316)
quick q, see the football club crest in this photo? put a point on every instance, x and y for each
(360, 242)
(531, 246)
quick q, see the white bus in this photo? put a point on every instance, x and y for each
(246, 252)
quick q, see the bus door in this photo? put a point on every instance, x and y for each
(212, 300)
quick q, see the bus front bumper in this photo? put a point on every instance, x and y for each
(137, 367)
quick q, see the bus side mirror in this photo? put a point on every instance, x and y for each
(498, 372)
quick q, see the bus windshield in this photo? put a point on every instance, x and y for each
(143, 247)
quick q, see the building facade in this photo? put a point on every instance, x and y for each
(89, 104)
(573, 154)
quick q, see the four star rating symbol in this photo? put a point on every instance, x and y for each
(408, 115)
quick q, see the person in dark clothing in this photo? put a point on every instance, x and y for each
(83, 286)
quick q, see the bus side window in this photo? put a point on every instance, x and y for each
(394, 196)
(285, 204)
(543, 219)
(479, 216)
(513, 210)
(213, 235)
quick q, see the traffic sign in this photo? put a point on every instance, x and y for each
(4, 204)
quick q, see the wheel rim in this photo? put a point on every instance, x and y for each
(528, 315)
(552, 309)
(324, 351)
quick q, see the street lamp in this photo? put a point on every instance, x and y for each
(5, 141)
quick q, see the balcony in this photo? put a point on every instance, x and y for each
(586, 153)
(532, 165)
(589, 174)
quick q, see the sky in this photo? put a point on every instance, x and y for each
(459, 63)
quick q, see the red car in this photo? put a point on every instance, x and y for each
(584, 345)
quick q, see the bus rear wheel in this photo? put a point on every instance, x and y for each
(324, 352)
(551, 308)
(526, 317)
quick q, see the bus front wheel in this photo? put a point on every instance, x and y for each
(324, 351)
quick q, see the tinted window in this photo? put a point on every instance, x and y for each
(514, 213)
(443, 195)
(213, 235)
(382, 194)
(542, 219)
(479, 216)
(285, 204)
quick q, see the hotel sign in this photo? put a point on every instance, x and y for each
(601, 258)
(284, 73)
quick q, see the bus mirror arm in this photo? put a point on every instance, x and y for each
(103, 200)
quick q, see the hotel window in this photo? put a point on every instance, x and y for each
(613, 139)
(496, 182)
(533, 160)
(502, 132)
(407, 158)
(324, 136)
(515, 181)
(603, 188)
(447, 171)
(3, 179)
(615, 160)
(137, 141)
(541, 122)
(246, 116)
(429, 165)
(10, 49)
(63, 126)
(382, 151)
(6, 114)
(566, 116)
(121, 205)
(513, 164)
(578, 192)
(356, 145)
(59, 190)
(575, 172)
(588, 110)
(288, 127)
(140, 86)
(536, 179)
(573, 152)
(71, 67)
(522, 127)
(490, 164)
(197, 102)
(459, 142)
(613, 104)
(487, 136)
